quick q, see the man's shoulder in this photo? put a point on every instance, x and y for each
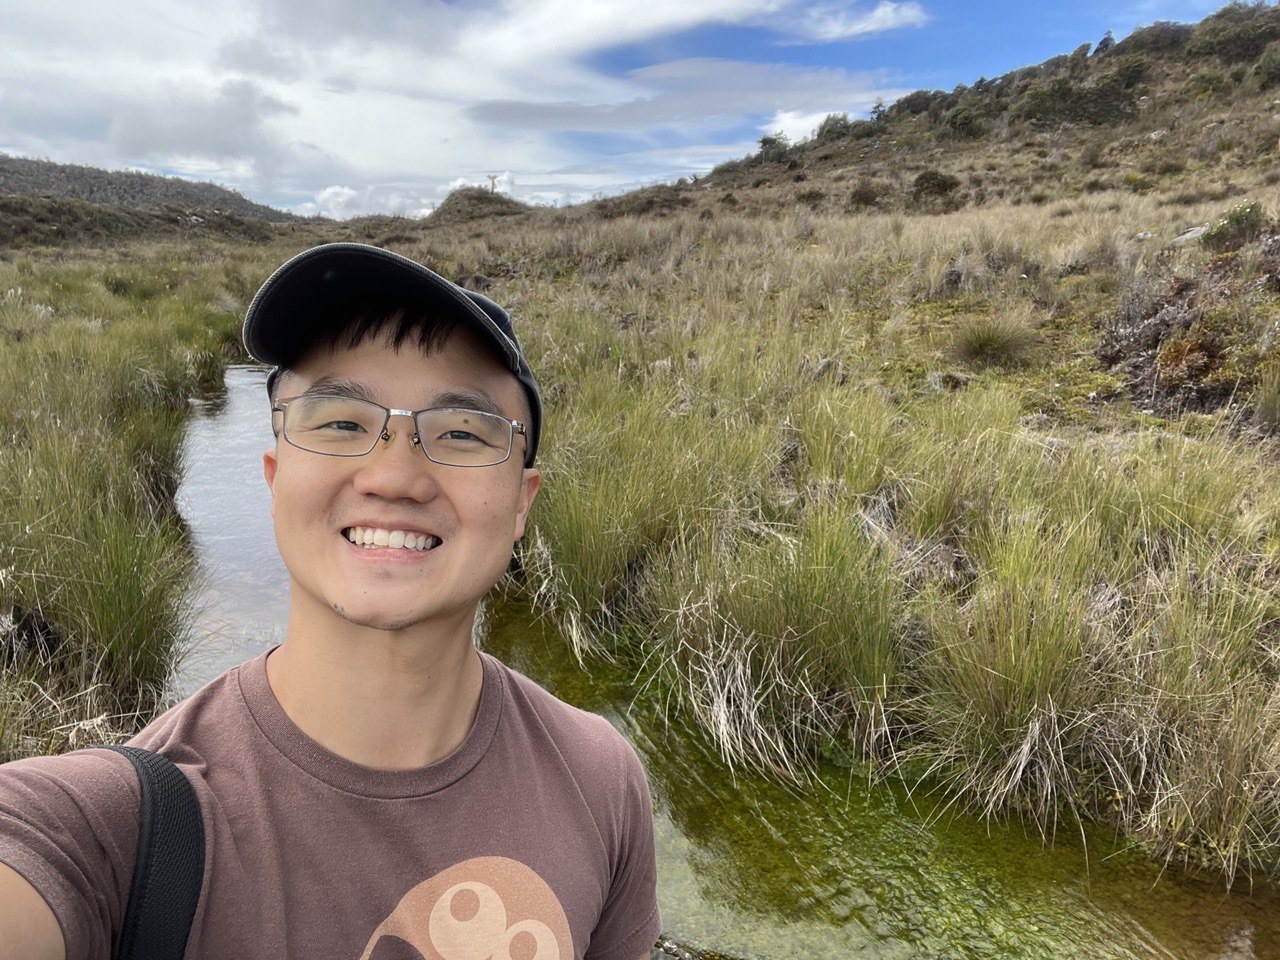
(103, 780)
(206, 715)
(90, 776)
(586, 741)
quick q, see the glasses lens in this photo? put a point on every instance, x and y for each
(464, 438)
(338, 426)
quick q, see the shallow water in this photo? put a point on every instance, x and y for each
(746, 866)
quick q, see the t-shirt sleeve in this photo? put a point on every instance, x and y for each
(629, 923)
(69, 826)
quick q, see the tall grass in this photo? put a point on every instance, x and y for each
(775, 481)
(97, 358)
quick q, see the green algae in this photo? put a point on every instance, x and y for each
(839, 868)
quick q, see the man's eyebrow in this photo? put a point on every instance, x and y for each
(471, 400)
(338, 387)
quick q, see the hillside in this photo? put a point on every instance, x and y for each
(1182, 112)
(124, 189)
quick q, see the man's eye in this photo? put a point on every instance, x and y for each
(464, 436)
(349, 426)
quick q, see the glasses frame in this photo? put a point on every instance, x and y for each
(516, 427)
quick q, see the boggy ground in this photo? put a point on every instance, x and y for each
(884, 487)
(863, 487)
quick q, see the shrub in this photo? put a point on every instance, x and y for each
(1062, 101)
(1091, 155)
(868, 193)
(1238, 225)
(835, 126)
(916, 102)
(1138, 183)
(964, 123)
(862, 129)
(1163, 36)
(1205, 83)
(933, 183)
(1238, 33)
(810, 197)
(1131, 69)
(1267, 69)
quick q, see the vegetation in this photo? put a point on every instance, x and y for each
(124, 189)
(925, 448)
(97, 359)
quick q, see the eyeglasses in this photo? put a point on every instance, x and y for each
(348, 427)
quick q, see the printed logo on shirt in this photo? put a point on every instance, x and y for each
(486, 908)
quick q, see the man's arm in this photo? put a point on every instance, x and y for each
(28, 928)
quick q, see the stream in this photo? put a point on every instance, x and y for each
(746, 866)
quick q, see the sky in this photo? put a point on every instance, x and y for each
(345, 108)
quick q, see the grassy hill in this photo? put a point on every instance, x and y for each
(124, 190)
(1181, 112)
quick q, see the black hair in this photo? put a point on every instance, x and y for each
(350, 324)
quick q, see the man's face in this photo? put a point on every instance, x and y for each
(476, 513)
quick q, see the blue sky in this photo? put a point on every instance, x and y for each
(344, 107)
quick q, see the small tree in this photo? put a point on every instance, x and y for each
(774, 147)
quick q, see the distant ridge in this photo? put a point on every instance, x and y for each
(121, 189)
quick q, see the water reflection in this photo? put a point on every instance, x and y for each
(243, 591)
(744, 865)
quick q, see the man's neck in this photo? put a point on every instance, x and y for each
(388, 700)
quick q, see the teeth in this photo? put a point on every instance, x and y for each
(372, 537)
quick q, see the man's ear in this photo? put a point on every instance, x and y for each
(529, 482)
(269, 467)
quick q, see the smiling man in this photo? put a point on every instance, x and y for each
(374, 787)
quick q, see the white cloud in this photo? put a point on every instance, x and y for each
(796, 125)
(687, 94)
(828, 23)
(342, 202)
(349, 106)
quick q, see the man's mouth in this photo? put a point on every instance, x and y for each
(373, 538)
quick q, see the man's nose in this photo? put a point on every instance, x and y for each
(396, 468)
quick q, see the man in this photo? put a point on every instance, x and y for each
(373, 787)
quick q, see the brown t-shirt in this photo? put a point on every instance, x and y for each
(533, 840)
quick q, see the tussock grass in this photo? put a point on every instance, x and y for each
(771, 482)
(767, 483)
(97, 358)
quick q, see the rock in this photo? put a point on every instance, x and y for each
(1144, 235)
(1193, 234)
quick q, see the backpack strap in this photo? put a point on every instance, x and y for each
(168, 868)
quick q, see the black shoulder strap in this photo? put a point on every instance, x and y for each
(168, 869)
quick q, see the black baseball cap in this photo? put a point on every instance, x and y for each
(281, 320)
